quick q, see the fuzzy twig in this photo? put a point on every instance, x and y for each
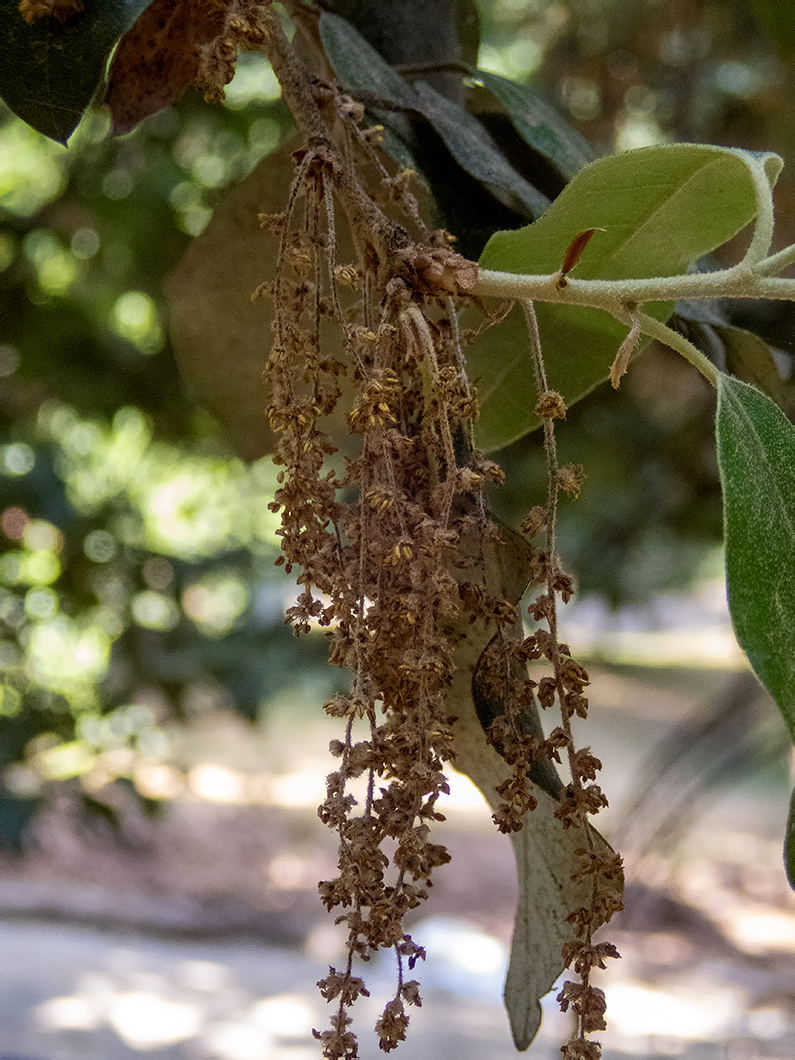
(373, 229)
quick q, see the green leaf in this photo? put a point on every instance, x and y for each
(789, 843)
(749, 358)
(474, 150)
(360, 68)
(498, 363)
(538, 124)
(662, 208)
(756, 458)
(49, 71)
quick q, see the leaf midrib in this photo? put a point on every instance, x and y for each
(679, 189)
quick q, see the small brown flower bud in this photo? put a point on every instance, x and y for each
(551, 406)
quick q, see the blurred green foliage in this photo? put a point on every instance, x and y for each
(137, 578)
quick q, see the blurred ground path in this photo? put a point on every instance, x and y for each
(200, 937)
(70, 993)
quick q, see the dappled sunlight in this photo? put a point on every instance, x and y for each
(182, 506)
(135, 318)
(32, 169)
(217, 784)
(215, 602)
(688, 1014)
(68, 1014)
(147, 1021)
(189, 505)
(57, 267)
(152, 1000)
(461, 958)
(159, 781)
(220, 784)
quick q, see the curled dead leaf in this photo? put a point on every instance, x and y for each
(622, 358)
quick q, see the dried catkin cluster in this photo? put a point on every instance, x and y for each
(564, 687)
(390, 544)
(373, 539)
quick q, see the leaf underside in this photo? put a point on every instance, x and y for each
(756, 458)
(539, 124)
(221, 338)
(158, 59)
(544, 851)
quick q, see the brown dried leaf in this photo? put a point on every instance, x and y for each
(158, 59)
(61, 10)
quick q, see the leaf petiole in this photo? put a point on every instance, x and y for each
(655, 329)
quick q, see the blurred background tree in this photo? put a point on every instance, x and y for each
(137, 578)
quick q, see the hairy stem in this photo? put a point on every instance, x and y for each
(655, 329)
(740, 281)
(371, 226)
(773, 265)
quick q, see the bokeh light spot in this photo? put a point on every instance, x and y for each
(154, 611)
(147, 1021)
(100, 546)
(41, 535)
(10, 701)
(135, 318)
(41, 603)
(85, 243)
(32, 169)
(17, 459)
(158, 573)
(13, 522)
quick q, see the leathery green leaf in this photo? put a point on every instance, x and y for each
(756, 457)
(539, 124)
(360, 67)
(661, 209)
(50, 71)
